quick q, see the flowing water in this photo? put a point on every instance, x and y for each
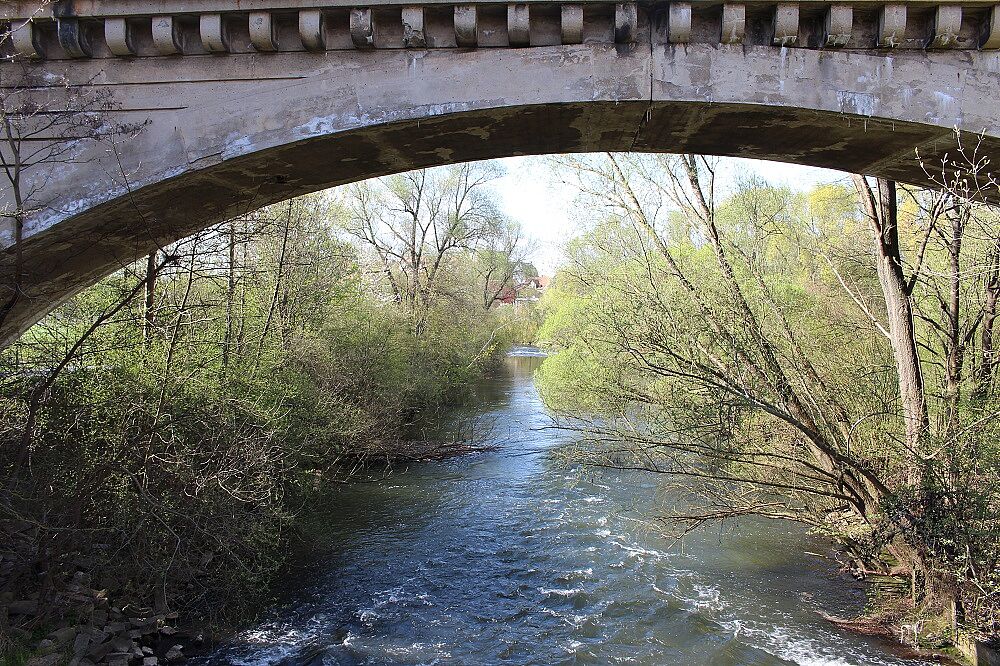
(511, 557)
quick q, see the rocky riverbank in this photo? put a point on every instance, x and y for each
(91, 631)
(74, 610)
(69, 611)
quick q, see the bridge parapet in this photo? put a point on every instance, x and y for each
(127, 28)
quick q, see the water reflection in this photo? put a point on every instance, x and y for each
(511, 557)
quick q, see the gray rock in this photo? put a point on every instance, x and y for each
(26, 607)
(63, 635)
(150, 661)
(81, 643)
(174, 653)
(122, 644)
(47, 660)
(99, 651)
(47, 646)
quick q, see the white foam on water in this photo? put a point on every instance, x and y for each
(817, 648)
(708, 597)
(561, 592)
(570, 619)
(419, 647)
(785, 643)
(280, 643)
(661, 591)
(387, 597)
(399, 596)
(636, 551)
(270, 656)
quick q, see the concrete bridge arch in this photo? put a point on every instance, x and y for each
(244, 104)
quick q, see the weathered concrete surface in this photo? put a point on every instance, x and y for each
(230, 133)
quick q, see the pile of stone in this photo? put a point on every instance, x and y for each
(102, 633)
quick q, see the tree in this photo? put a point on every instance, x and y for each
(498, 260)
(739, 348)
(419, 223)
(731, 343)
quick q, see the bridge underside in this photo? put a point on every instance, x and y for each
(231, 134)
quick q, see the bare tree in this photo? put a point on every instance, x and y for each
(45, 122)
(416, 222)
(497, 259)
(713, 347)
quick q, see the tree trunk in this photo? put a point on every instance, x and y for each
(955, 340)
(277, 281)
(230, 296)
(987, 364)
(882, 214)
(13, 171)
(149, 317)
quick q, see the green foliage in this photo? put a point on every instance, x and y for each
(740, 348)
(171, 450)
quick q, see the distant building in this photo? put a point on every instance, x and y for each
(529, 291)
(525, 288)
(508, 296)
(539, 282)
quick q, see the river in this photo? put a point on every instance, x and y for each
(511, 557)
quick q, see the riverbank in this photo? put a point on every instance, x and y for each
(893, 631)
(73, 620)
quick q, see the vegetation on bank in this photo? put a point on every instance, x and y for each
(825, 357)
(160, 430)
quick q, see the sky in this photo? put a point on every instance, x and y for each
(545, 210)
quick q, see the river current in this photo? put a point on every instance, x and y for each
(513, 557)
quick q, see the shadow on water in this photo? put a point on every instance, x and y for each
(512, 557)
